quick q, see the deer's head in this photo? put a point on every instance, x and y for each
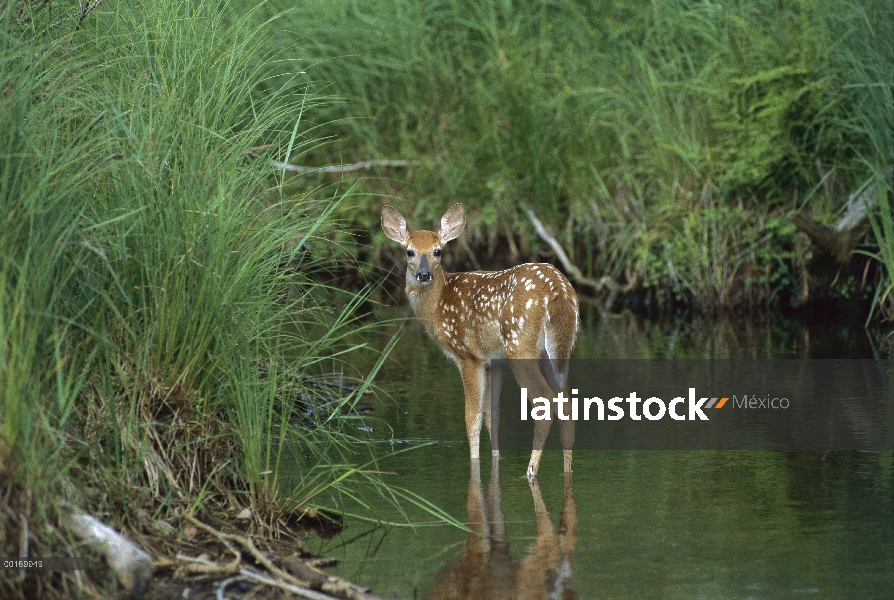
(424, 248)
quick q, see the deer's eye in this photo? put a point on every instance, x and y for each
(437, 252)
(411, 253)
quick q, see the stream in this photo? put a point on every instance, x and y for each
(628, 524)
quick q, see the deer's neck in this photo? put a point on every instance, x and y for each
(426, 299)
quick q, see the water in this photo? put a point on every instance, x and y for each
(630, 524)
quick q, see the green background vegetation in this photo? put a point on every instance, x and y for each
(665, 141)
(161, 309)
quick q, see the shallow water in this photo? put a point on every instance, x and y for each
(656, 524)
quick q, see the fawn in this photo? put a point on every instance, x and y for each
(526, 312)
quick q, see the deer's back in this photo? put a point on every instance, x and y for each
(481, 312)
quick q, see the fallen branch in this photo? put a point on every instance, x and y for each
(599, 285)
(298, 591)
(345, 168)
(840, 239)
(201, 566)
(248, 545)
(317, 579)
(326, 582)
(85, 10)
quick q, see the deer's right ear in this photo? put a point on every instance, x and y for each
(394, 225)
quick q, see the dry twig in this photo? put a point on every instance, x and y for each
(333, 586)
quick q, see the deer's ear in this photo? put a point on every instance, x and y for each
(394, 225)
(452, 223)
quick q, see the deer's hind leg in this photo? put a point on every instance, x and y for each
(523, 347)
(559, 337)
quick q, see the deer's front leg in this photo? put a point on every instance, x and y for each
(474, 384)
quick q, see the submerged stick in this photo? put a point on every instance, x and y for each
(131, 564)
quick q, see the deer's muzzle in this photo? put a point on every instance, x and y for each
(423, 273)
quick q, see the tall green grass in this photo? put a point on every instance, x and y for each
(873, 88)
(666, 140)
(159, 313)
(38, 237)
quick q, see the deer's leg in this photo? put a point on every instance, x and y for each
(525, 349)
(474, 374)
(541, 430)
(527, 373)
(486, 400)
(557, 374)
(559, 340)
(493, 385)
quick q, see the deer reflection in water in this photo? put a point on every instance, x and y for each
(486, 569)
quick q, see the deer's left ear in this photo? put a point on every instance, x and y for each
(452, 223)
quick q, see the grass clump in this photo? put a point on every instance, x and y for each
(160, 323)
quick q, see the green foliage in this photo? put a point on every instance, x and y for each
(873, 90)
(609, 119)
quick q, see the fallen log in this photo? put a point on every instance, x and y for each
(839, 240)
(599, 286)
(831, 266)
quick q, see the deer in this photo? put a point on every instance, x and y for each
(529, 312)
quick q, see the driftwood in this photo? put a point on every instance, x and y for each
(839, 240)
(134, 567)
(202, 566)
(131, 564)
(832, 257)
(298, 577)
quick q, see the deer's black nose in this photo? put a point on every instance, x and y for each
(423, 273)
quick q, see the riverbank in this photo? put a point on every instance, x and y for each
(164, 350)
